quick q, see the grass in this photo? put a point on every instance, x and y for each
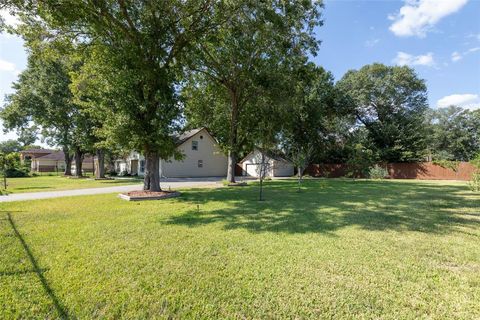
(338, 249)
(52, 183)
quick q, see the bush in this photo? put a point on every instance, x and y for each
(377, 172)
(476, 161)
(474, 183)
(112, 173)
(16, 173)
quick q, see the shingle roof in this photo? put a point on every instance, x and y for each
(181, 138)
(60, 156)
(272, 154)
(38, 151)
(55, 155)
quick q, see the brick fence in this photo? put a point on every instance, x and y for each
(419, 170)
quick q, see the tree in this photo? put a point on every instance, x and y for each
(390, 102)
(42, 96)
(310, 105)
(10, 146)
(455, 133)
(140, 45)
(228, 65)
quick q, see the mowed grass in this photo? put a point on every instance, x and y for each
(52, 183)
(338, 249)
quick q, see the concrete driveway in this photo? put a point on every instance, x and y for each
(170, 183)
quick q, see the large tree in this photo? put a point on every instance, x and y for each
(140, 56)
(42, 96)
(310, 107)
(455, 133)
(391, 102)
(228, 64)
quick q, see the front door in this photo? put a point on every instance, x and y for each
(134, 167)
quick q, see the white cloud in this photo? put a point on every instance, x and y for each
(7, 66)
(406, 59)
(456, 56)
(467, 101)
(417, 17)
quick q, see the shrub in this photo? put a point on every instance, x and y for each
(474, 183)
(16, 173)
(476, 161)
(113, 173)
(377, 172)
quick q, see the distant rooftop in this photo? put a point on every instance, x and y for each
(55, 155)
(38, 151)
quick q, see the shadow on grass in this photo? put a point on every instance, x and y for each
(325, 206)
(62, 311)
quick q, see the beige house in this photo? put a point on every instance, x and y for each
(202, 158)
(52, 162)
(275, 165)
(55, 162)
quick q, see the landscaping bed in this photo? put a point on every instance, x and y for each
(142, 195)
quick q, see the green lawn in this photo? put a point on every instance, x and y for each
(339, 249)
(51, 183)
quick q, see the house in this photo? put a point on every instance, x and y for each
(202, 158)
(55, 162)
(32, 154)
(52, 162)
(274, 163)
(87, 164)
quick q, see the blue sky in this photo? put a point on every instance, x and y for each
(439, 38)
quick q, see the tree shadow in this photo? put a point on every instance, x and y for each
(33, 188)
(60, 308)
(325, 206)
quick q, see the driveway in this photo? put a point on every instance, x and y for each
(170, 183)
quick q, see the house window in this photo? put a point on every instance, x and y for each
(142, 165)
(200, 163)
(194, 145)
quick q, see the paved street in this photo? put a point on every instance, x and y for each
(165, 184)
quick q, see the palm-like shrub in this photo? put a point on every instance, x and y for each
(377, 172)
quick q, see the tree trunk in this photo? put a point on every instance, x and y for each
(300, 175)
(78, 162)
(151, 180)
(262, 175)
(232, 162)
(232, 153)
(68, 162)
(100, 169)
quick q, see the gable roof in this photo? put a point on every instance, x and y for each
(56, 155)
(60, 156)
(275, 155)
(181, 138)
(36, 151)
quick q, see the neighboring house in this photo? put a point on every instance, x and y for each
(32, 154)
(87, 165)
(55, 162)
(275, 164)
(52, 162)
(202, 158)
